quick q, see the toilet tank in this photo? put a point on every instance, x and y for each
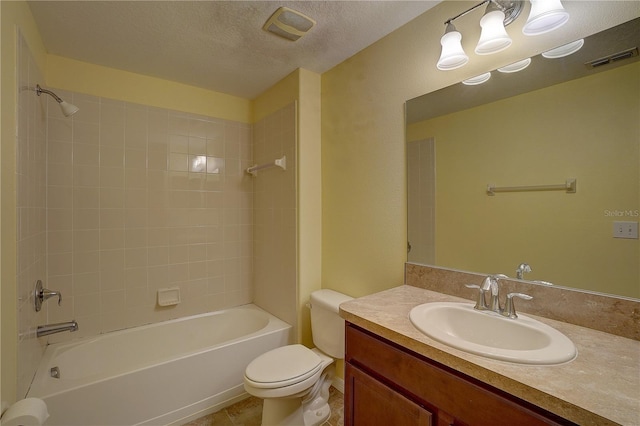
(327, 327)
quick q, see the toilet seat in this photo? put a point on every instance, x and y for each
(285, 372)
(284, 366)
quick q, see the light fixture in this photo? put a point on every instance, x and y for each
(494, 37)
(67, 108)
(516, 66)
(479, 79)
(564, 50)
(545, 16)
(452, 55)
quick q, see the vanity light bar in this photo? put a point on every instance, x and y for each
(545, 16)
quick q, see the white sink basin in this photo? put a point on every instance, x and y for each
(522, 340)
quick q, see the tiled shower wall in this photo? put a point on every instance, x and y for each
(30, 212)
(139, 199)
(275, 207)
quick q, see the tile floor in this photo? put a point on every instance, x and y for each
(249, 413)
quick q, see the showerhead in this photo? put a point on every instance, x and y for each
(67, 108)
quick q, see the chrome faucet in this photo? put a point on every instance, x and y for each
(490, 285)
(45, 330)
(522, 268)
(509, 308)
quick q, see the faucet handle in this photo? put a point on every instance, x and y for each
(481, 303)
(46, 294)
(510, 308)
(41, 294)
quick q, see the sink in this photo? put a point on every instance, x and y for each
(523, 340)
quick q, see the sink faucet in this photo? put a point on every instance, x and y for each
(522, 268)
(490, 285)
(45, 330)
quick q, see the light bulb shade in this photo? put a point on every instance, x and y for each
(494, 37)
(545, 16)
(452, 55)
(479, 79)
(564, 50)
(68, 109)
(516, 66)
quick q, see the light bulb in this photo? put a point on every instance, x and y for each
(545, 16)
(452, 55)
(494, 37)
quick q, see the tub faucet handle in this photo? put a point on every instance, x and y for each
(41, 294)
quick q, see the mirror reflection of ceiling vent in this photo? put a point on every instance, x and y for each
(625, 54)
(288, 23)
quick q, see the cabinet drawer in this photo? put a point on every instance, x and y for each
(439, 388)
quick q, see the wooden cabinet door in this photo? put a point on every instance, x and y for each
(368, 402)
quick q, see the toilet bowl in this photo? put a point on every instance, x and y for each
(294, 380)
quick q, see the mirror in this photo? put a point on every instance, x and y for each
(531, 132)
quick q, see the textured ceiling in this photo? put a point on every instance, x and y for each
(217, 45)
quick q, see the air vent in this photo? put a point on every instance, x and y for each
(616, 57)
(288, 23)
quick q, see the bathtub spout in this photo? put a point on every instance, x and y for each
(45, 330)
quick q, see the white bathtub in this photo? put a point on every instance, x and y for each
(160, 374)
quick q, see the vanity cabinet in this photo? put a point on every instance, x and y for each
(387, 384)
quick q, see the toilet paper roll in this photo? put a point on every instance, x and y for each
(26, 412)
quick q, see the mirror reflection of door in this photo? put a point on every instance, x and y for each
(421, 194)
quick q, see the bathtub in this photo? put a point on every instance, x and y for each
(167, 373)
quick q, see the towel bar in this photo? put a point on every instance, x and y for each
(569, 186)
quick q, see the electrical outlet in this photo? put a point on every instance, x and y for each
(625, 230)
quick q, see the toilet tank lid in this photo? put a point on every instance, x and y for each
(329, 299)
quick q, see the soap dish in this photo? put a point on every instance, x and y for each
(168, 296)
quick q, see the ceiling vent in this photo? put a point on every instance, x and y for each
(289, 24)
(625, 54)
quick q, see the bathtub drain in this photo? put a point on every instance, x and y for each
(55, 372)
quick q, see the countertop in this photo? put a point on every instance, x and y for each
(600, 386)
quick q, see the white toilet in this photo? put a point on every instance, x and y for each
(294, 380)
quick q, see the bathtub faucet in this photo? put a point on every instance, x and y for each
(45, 330)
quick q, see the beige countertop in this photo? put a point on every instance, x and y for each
(601, 386)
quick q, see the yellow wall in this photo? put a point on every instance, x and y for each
(586, 129)
(309, 198)
(276, 97)
(96, 80)
(363, 147)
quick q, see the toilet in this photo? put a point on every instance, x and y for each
(294, 380)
